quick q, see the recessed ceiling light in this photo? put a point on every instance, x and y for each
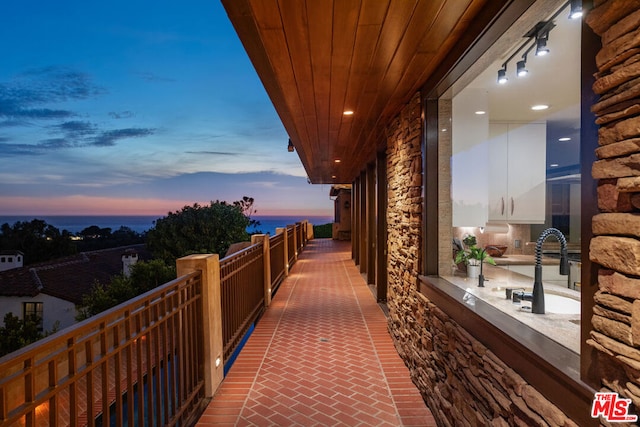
(444, 129)
(333, 177)
(337, 161)
(348, 113)
(481, 112)
(539, 107)
(553, 165)
(563, 139)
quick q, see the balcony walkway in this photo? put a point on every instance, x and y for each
(320, 355)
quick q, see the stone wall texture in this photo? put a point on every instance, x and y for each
(616, 243)
(463, 383)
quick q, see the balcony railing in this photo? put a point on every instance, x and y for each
(156, 359)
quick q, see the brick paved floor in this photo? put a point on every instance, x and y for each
(321, 355)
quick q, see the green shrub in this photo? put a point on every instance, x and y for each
(323, 231)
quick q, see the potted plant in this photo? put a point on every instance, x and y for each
(472, 256)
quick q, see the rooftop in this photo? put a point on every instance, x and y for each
(67, 278)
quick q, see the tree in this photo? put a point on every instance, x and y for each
(200, 229)
(95, 232)
(144, 277)
(16, 333)
(151, 274)
(38, 240)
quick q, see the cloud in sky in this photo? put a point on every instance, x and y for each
(28, 93)
(139, 109)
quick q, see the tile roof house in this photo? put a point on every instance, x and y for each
(52, 289)
(11, 259)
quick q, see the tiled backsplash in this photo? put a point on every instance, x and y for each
(521, 232)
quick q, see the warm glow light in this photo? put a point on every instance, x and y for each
(480, 113)
(348, 113)
(539, 107)
(218, 361)
(42, 410)
(337, 161)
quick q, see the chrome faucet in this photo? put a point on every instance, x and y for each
(537, 301)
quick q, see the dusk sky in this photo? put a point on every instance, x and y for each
(137, 107)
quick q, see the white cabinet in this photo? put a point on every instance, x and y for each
(469, 157)
(517, 172)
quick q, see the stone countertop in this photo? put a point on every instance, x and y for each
(562, 328)
(524, 260)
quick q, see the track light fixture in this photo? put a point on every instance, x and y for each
(290, 147)
(576, 9)
(541, 45)
(521, 68)
(502, 74)
(537, 38)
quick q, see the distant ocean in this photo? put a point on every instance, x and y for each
(75, 224)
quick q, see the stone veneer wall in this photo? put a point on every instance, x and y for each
(616, 245)
(463, 382)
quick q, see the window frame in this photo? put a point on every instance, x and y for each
(37, 311)
(570, 392)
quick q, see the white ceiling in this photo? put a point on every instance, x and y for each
(553, 80)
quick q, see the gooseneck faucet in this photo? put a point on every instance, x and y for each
(537, 303)
(481, 278)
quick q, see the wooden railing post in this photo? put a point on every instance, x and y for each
(295, 243)
(209, 266)
(283, 230)
(266, 253)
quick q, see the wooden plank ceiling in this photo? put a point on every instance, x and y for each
(320, 58)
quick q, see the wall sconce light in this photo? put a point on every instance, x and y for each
(218, 361)
(576, 9)
(290, 146)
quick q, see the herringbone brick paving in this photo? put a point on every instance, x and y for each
(320, 356)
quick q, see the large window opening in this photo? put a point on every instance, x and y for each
(515, 170)
(33, 312)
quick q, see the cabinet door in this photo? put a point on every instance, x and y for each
(526, 173)
(498, 148)
(469, 160)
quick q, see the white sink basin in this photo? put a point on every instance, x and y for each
(560, 304)
(553, 303)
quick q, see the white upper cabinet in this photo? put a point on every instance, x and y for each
(470, 158)
(517, 172)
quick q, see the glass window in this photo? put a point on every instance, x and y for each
(515, 168)
(33, 311)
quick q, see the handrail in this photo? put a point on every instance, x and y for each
(291, 229)
(241, 294)
(119, 357)
(143, 362)
(276, 252)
